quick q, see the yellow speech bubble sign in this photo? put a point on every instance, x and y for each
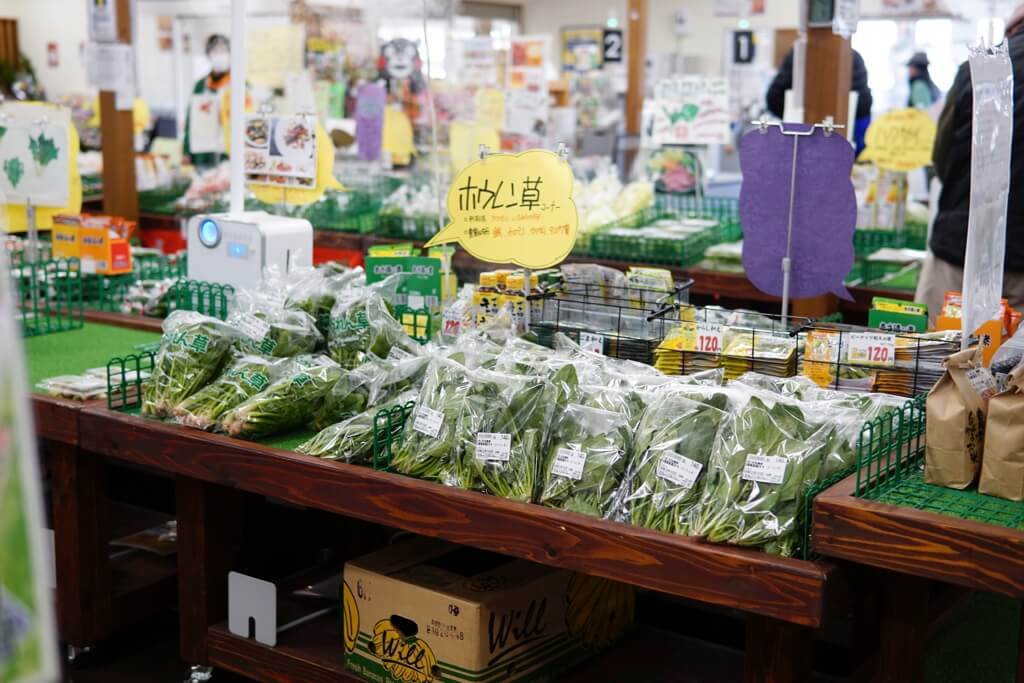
(513, 208)
(901, 140)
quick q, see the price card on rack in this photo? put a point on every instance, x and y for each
(872, 348)
(591, 342)
(709, 338)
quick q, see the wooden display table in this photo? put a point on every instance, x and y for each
(916, 547)
(785, 598)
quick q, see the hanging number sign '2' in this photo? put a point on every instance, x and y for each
(513, 208)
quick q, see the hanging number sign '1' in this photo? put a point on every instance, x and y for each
(513, 208)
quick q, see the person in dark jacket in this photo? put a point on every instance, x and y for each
(943, 269)
(783, 81)
(923, 91)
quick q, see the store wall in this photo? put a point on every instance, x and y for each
(52, 21)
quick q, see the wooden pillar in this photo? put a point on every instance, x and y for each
(827, 93)
(120, 197)
(636, 45)
(777, 651)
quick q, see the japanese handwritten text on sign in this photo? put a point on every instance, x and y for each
(513, 208)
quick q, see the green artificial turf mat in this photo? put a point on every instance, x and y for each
(75, 351)
(289, 441)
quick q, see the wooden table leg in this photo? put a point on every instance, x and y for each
(209, 530)
(777, 651)
(902, 628)
(81, 529)
(1020, 647)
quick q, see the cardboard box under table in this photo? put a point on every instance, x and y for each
(426, 610)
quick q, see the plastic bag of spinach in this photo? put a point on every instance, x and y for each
(426, 450)
(288, 403)
(266, 327)
(672, 445)
(362, 323)
(766, 458)
(585, 460)
(244, 376)
(503, 429)
(192, 351)
(351, 439)
(317, 290)
(372, 384)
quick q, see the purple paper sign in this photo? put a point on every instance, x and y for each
(371, 98)
(824, 210)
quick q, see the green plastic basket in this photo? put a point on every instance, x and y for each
(916, 234)
(158, 199)
(725, 209)
(868, 241)
(890, 461)
(416, 228)
(48, 296)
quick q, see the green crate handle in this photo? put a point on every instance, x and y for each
(388, 427)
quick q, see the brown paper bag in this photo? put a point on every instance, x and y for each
(956, 425)
(1002, 470)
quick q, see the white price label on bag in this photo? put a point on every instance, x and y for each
(709, 338)
(569, 463)
(428, 421)
(983, 381)
(252, 327)
(396, 354)
(493, 446)
(872, 348)
(766, 469)
(679, 470)
(592, 342)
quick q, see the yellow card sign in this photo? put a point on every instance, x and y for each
(513, 208)
(901, 140)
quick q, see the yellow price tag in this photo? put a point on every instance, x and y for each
(901, 140)
(513, 208)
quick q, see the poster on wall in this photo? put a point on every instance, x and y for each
(102, 20)
(477, 62)
(28, 649)
(34, 154)
(687, 110)
(280, 150)
(527, 56)
(526, 112)
(582, 48)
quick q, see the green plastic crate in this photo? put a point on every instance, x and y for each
(417, 228)
(916, 234)
(890, 462)
(867, 242)
(726, 209)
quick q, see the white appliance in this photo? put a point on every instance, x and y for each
(234, 249)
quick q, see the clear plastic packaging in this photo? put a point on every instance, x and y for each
(78, 387)
(266, 327)
(351, 439)
(362, 323)
(192, 351)
(244, 377)
(373, 384)
(288, 403)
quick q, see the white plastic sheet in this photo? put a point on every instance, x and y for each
(992, 121)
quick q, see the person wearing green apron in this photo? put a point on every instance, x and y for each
(218, 51)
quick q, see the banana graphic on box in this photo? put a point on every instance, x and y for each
(598, 610)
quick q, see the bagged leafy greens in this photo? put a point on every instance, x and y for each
(672, 445)
(351, 439)
(362, 323)
(288, 403)
(426, 450)
(192, 351)
(317, 290)
(243, 377)
(372, 384)
(585, 460)
(266, 327)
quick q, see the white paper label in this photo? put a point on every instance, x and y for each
(252, 327)
(428, 421)
(397, 354)
(88, 265)
(415, 302)
(872, 348)
(493, 446)
(982, 381)
(709, 338)
(591, 342)
(679, 469)
(275, 299)
(767, 469)
(569, 463)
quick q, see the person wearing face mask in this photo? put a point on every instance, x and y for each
(218, 51)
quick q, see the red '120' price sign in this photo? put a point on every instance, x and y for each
(872, 348)
(709, 338)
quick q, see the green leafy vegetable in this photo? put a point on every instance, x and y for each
(192, 351)
(14, 170)
(288, 403)
(351, 439)
(43, 149)
(244, 377)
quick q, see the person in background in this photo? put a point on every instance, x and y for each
(218, 51)
(783, 81)
(923, 91)
(943, 268)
